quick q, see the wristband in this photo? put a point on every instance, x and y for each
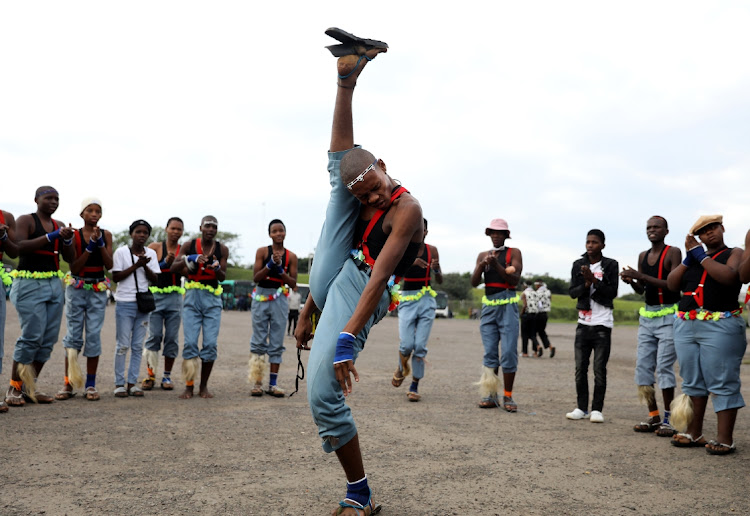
(101, 242)
(68, 242)
(688, 260)
(344, 348)
(192, 257)
(4, 237)
(698, 253)
(163, 264)
(271, 265)
(91, 246)
(54, 235)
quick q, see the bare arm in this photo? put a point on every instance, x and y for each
(178, 265)
(744, 271)
(435, 265)
(9, 246)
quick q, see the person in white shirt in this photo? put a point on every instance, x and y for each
(133, 267)
(594, 281)
(295, 299)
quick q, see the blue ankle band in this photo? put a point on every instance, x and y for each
(358, 492)
(414, 386)
(272, 381)
(90, 380)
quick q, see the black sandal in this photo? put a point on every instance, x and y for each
(351, 44)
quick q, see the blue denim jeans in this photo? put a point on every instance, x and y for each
(131, 327)
(202, 310)
(166, 318)
(500, 324)
(269, 320)
(84, 310)
(656, 352)
(336, 282)
(599, 340)
(39, 304)
(415, 320)
(710, 355)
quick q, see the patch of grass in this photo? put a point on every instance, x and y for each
(241, 273)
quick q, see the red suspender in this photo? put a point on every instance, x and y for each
(698, 292)
(502, 285)
(375, 218)
(202, 273)
(661, 265)
(429, 261)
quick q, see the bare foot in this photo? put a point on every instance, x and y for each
(350, 511)
(14, 397)
(44, 399)
(65, 393)
(203, 393)
(351, 66)
(3, 407)
(187, 393)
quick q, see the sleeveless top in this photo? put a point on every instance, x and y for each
(45, 259)
(700, 290)
(417, 277)
(273, 280)
(658, 296)
(203, 275)
(94, 267)
(166, 278)
(370, 238)
(492, 281)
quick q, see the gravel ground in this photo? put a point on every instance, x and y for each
(240, 455)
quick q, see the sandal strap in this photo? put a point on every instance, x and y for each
(354, 70)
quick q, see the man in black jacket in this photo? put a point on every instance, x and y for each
(594, 283)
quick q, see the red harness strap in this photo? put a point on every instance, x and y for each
(202, 273)
(54, 253)
(429, 261)
(503, 285)
(375, 218)
(661, 269)
(78, 234)
(698, 292)
(286, 267)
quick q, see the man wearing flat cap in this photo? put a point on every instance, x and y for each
(709, 337)
(500, 268)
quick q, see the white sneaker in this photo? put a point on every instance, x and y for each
(597, 417)
(577, 414)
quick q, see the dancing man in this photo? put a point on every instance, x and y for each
(9, 247)
(86, 301)
(37, 293)
(709, 337)
(165, 320)
(594, 284)
(367, 210)
(275, 272)
(204, 262)
(501, 268)
(416, 313)
(656, 352)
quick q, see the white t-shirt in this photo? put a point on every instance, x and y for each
(121, 260)
(599, 315)
(295, 299)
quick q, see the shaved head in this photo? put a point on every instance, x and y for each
(354, 163)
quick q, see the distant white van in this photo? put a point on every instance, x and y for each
(442, 310)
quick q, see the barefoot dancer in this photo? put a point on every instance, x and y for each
(37, 293)
(416, 313)
(351, 288)
(709, 337)
(168, 314)
(204, 262)
(275, 269)
(133, 267)
(501, 267)
(9, 247)
(86, 301)
(656, 352)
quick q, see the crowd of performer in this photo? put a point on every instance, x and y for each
(372, 239)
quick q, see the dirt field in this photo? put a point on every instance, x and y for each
(240, 455)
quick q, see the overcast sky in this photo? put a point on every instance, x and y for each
(557, 116)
